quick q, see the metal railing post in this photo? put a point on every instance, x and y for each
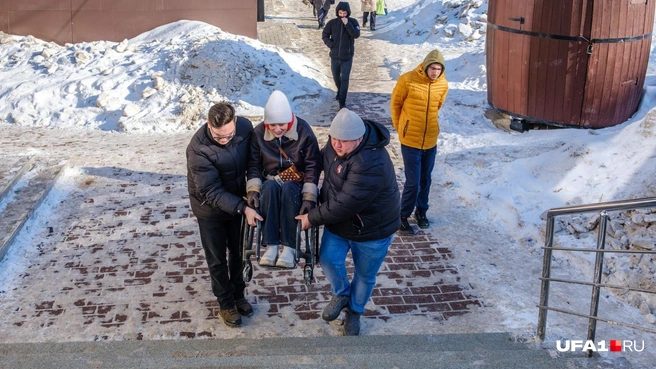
(599, 264)
(546, 273)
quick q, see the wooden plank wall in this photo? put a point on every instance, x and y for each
(75, 21)
(545, 74)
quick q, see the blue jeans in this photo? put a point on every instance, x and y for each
(418, 169)
(368, 256)
(278, 206)
(341, 70)
(321, 16)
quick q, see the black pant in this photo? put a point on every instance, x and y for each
(217, 237)
(372, 19)
(341, 72)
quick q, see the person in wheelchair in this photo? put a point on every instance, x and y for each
(283, 173)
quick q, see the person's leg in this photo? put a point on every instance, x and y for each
(364, 19)
(234, 257)
(332, 254)
(335, 70)
(270, 211)
(213, 237)
(321, 16)
(412, 166)
(425, 175)
(372, 21)
(290, 205)
(344, 75)
(368, 256)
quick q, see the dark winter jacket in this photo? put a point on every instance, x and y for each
(300, 145)
(340, 37)
(325, 4)
(360, 198)
(216, 174)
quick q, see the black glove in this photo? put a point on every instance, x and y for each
(306, 207)
(253, 199)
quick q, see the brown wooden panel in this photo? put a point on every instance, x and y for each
(242, 22)
(92, 25)
(46, 25)
(3, 5)
(20, 5)
(207, 4)
(130, 5)
(87, 5)
(4, 22)
(127, 24)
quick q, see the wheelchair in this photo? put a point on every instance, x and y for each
(251, 240)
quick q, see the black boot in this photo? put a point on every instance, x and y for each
(406, 228)
(422, 221)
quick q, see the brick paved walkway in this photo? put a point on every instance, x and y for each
(119, 256)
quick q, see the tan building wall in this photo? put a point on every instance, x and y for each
(75, 21)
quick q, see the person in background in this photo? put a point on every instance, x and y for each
(369, 11)
(416, 100)
(321, 7)
(217, 156)
(339, 35)
(282, 134)
(359, 208)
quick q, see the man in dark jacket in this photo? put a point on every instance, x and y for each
(321, 7)
(339, 35)
(360, 210)
(216, 178)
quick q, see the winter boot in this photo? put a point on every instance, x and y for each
(244, 307)
(286, 259)
(406, 228)
(351, 323)
(270, 256)
(422, 221)
(230, 316)
(334, 307)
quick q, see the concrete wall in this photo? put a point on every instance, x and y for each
(75, 21)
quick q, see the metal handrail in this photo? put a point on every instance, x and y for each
(596, 284)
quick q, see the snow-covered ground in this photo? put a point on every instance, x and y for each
(491, 187)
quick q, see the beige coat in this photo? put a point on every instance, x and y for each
(368, 6)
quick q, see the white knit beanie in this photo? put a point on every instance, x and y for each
(277, 109)
(347, 126)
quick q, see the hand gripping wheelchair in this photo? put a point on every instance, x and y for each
(251, 241)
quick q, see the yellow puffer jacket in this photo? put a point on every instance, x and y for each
(416, 100)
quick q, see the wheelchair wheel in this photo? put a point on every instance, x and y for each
(308, 274)
(247, 271)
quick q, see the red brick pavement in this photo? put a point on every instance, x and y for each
(130, 257)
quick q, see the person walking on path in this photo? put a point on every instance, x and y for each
(217, 156)
(282, 141)
(416, 100)
(339, 35)
(359, 208)
(369, 11)
(321, 7)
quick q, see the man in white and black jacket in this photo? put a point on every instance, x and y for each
(360, 209)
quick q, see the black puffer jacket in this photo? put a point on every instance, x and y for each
(360, 198)
(340, 37)
(216, 174)
(266, 160)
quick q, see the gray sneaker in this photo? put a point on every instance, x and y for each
(351, 323)
(334, 307)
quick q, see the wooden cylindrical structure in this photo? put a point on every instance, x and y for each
(573, 63)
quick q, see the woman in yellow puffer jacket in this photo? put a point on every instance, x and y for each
(416, 101)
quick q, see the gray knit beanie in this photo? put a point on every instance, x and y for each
(347, 126)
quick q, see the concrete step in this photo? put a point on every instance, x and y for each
(463, 351)
(24, 184)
